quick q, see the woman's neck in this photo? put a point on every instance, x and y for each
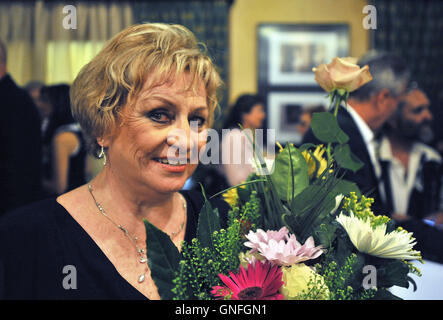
(131, 202)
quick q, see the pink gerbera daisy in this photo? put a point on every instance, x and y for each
(260, 281)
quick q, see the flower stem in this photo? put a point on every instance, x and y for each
(336, 97)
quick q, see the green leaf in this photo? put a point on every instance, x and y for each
(345, 188)
(306, 146)
(309, 209)
(289, 180)
(343, 248)
(393, 273)
(325, 234)
(163, 259)
(346, 159)
(384, 294)
(326, 129)
(208, 222)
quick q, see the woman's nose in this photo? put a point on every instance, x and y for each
(183, 137)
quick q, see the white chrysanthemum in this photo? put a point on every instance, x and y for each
(374, 241)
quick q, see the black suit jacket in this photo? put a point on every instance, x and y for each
(365, 178)
(20, 145)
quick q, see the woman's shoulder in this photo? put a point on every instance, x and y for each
(31, 218)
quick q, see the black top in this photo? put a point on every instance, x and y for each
(40, 243)
(20, 147)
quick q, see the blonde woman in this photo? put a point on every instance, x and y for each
(149, 81)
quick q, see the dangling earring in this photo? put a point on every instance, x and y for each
(102, 154)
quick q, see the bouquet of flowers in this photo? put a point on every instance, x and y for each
(300, 232)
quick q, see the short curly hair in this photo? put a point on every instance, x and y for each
(115, 77)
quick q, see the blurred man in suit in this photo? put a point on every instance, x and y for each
(20, 143)
(369, 107)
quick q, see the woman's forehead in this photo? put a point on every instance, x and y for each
(181, 84)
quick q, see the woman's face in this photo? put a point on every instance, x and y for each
(156, 129)
(254, 119)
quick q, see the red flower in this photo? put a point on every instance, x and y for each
(260, 281)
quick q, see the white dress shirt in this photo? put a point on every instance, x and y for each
(371, 145)
(404, 181)
(368, 137)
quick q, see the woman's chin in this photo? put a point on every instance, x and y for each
(166, 179)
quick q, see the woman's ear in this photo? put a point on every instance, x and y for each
(103, 141)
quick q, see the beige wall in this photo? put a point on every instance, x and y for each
(247, 14)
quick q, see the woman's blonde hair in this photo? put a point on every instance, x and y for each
(117, 74)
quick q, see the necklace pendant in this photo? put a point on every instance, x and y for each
(141, 278)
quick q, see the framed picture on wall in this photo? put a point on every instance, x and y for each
(285, 110)
(288, 52)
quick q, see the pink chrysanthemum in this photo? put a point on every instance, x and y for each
(284, 251)
(260, 236)
(260, 281)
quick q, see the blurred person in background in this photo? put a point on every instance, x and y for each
(44, 109)
(369, 107)
(412, 172)
(64, 148)
(247, 112)
(304, 122)
(20, 143)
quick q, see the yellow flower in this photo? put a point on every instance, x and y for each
(231, 197)
(318, 154)
(299, 279)
(374, 240)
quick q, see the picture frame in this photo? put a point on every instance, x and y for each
(286, 108)
(288, 52)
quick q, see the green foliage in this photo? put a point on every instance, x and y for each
(208, 222)
(344, 281)
(326, 129)
(290, 174)
(163, 259)
(361, 207)
(314, 207)
(346, 159)
(393, 273)
(201, 265)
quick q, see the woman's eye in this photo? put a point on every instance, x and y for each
(159, 116)
(200, 120)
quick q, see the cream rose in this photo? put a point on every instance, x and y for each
(342, 73)
(300, 279)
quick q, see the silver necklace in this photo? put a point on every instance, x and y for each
(142, 256)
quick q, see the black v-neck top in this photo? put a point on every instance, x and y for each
(41, 244)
